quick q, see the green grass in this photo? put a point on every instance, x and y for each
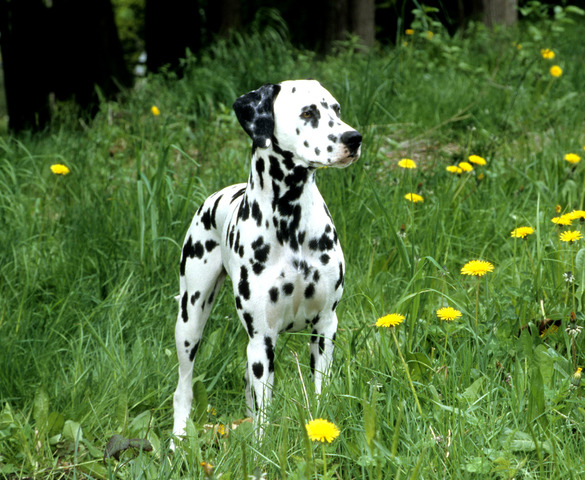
(89, 269)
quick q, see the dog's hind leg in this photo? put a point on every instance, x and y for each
(202, 275)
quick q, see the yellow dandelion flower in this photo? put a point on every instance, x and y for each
(320, 430)
(576, 215)
(522, 232)
(477, 268)
(558, 208)
(414, 198)
(430, 35)
(448, 313)
(563, 220)
(59, 169)
(476, 159)
(577, 374)
(407, 163)
(409, 31)
(556, 71)
(570, 236)
(572, 158)
(390, 320)
(547, 54)
(155, 110)
(454, 169)
(465, 166)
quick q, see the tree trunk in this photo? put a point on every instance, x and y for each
(171, 28)
(500, 12)
(363, 20)
(23, 37)
(337, 24)
(87, 52)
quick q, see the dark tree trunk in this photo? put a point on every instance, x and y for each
(223, 16)
(87, 52)
(500, 12)
(363, 20)
(23, 38)
(171, 28)
(337, 22)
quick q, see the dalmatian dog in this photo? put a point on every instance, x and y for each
(273, 236)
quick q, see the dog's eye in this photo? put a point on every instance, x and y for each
(307, 114)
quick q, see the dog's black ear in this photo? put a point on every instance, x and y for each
(255, 114)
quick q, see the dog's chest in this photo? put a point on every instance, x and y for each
(294, 266)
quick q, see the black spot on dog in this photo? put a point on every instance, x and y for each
(324, 259)
(206, 219)
(261, 249)
(273, 292)
(316, 276)
(256, 213)
(258, 268)
(310, 290)
(269, 353)
(288, 288)
(275, 171)
(243, 285)
(324, 104)
(210, 245)
(195, 297)
(321, 345)
(214, 211)
(312, 363)
(258, 370)
(187, 344)
(238, 303)
(331, 123)
(315, 320)
(249, 324)
(339, 282)
(290, 326)
(332, 138)
(317, 151)
(260, 171)
(313, 336)
(193, 351)
(306, 144)
(334, 305)
(184, 313)
(244, 210)
(237, 242)
(190, 251)
(238, 194)
(329, 148)
(241, 251)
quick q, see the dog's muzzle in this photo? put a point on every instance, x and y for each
(352, 139)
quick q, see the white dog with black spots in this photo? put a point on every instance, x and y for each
(273, 236)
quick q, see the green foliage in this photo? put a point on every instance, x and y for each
(89, 267)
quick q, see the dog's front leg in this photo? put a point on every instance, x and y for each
(260, 374)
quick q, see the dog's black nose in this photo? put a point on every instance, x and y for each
(352, 139)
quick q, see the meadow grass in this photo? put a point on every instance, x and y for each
(89, 269)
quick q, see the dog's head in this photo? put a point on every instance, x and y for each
(303, 118)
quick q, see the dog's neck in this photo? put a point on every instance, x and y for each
(276, 174)
(276, 179)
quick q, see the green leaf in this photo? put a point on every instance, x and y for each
(72, 431)
(473, 392)
(199, 401)
(55, 423)
(41, 411)
(369, 420)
